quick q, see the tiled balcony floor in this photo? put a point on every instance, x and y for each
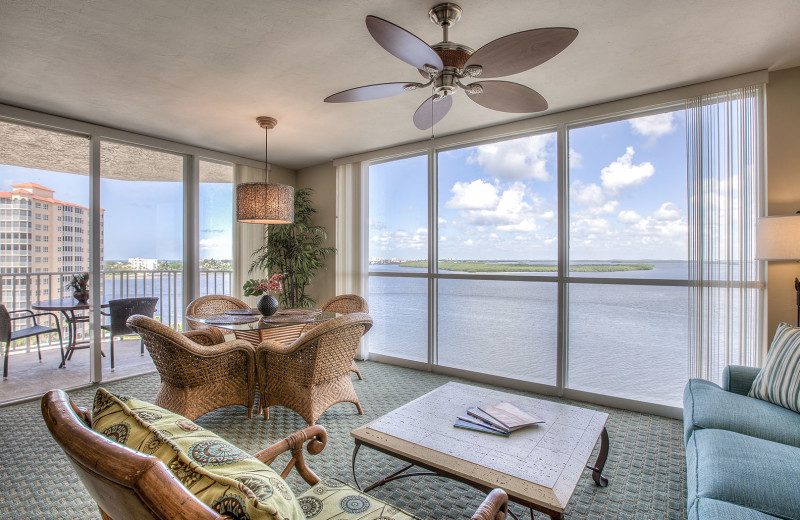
(27, 378)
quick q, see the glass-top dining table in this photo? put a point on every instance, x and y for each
(250, 325)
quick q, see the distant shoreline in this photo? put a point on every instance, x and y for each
(489, 267)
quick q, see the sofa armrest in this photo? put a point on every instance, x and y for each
(739, 379)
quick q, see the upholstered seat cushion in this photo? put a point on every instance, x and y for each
(710, 509)
(706, 406)
(219, 474)
(332, 498)
(747, 471)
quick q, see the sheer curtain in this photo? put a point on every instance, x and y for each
(725, 168)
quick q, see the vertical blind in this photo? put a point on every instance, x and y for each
(725, 163)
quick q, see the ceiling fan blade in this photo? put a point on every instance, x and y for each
(521, 51)
(506, 96)
(427, 116)
(403, 44)
(370, 92)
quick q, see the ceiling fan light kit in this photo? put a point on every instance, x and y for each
(447, 65)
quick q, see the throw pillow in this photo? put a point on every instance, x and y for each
(220, 475)
(779, 380)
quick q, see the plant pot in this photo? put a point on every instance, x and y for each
(267, 305)
(81, 296)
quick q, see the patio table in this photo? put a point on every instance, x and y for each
(68, 308)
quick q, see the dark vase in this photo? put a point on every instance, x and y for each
(81, 296)
(267, 305)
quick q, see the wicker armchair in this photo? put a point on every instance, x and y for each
(313, 373)
(212, 305)
(343, 304)
(199, 373)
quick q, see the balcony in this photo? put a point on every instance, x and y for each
(28, 377)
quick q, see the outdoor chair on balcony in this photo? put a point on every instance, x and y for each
(8, 334)
(199, 371)
(118, 313)
(312, 373)
(343, 304)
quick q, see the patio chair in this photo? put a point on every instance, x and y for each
(312, 373)
(8, 334)
(127, 484)
(199, 372)
(343, 304)
(118, 313)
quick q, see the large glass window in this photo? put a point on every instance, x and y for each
(141, 192)
(216, 227)
(629, 224)
(398, 256)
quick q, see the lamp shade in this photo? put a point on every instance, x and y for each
(260, 203)
(778, 238)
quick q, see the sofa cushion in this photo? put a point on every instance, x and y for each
(751, 472)
(219, 474)
(779, 379)
(710, 509)
(706, 405)
(332, 498)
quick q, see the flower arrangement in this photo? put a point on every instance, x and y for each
(79, 282)
(259, 287)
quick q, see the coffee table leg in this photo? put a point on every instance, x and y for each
(355, 452)
(597, 469)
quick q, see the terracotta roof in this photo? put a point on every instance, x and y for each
(32, 185)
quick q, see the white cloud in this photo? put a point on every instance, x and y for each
(622, 173)
(667, 211)
(654, 126)
(516, 159)
(442, 239)
(629, 216)
(468, 242)
(400, 239)
(473, 195)
(587, 195)
(442, 221)
(575, 160)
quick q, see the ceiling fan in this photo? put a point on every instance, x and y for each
(445, 64)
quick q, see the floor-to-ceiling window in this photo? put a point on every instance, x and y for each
(558, 258)
(628, 251)
(216, 227)
(498, 258)
(398, 253)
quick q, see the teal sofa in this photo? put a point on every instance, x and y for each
(742, 453)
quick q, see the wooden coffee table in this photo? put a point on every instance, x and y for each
(538, 466)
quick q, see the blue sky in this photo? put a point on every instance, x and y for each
(142, 219)
(499, 201)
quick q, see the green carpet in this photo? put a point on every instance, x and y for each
(646, 465)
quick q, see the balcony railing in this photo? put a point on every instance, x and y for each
(20, 291)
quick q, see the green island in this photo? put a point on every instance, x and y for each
(487, 267)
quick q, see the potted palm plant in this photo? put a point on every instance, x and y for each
(295, 250)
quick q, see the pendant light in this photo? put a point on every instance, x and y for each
(265, 203)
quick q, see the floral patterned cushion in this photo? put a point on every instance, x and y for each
(334, 499)
(219, 474)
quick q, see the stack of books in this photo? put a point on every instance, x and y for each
(498, 419)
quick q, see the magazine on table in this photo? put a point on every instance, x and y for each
(508, 418)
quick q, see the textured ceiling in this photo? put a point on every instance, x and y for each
(199, 72)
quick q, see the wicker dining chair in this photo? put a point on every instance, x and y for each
(312, 373)
(199, 371)
(212, 305)
(343, 304)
